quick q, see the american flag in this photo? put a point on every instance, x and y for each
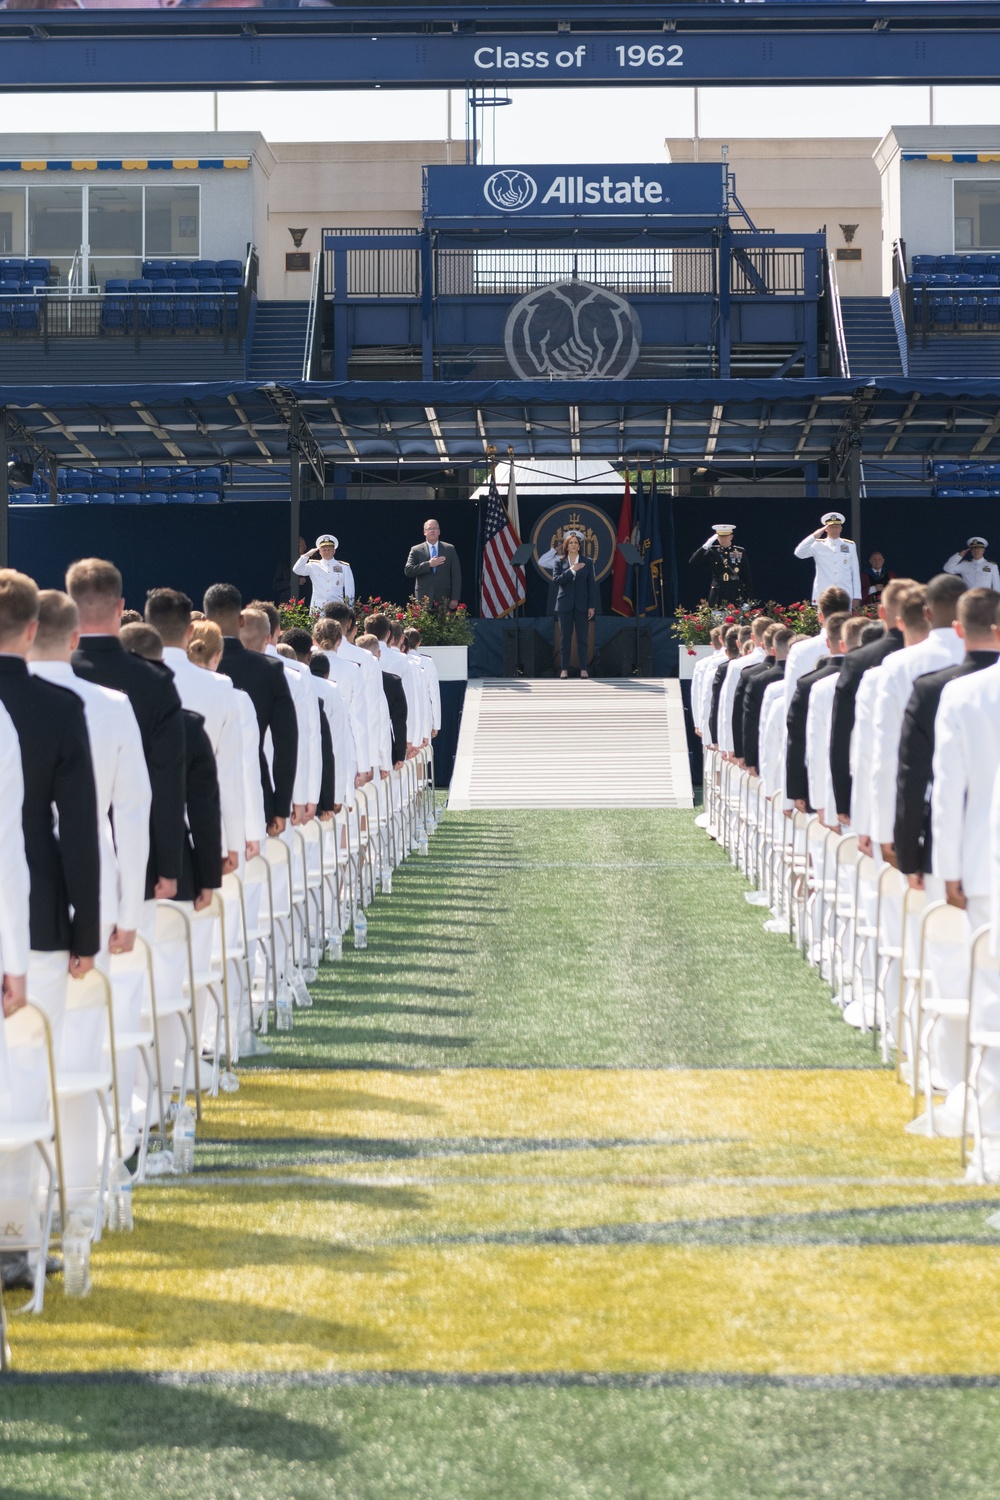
(503, 585)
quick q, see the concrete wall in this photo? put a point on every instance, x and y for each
(323, 185)
(804, 186)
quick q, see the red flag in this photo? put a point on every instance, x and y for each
(621, 603)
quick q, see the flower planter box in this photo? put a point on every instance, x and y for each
(452, 662)
(687, 661)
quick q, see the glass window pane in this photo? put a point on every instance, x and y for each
(977, 215)
(115, 221)
(122, 267)
(172, 222)
(55, 216)
(12, 221)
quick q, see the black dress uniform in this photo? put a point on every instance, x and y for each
(856, 664)
(912, 833)
(753, 702)
(796, 771)
(730, 572)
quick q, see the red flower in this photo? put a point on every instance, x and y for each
(691, 651)
(730, 619)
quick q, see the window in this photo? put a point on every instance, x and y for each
(977, 215)
(55, 220)
(115, 221)
(12, 221)
(172, 222)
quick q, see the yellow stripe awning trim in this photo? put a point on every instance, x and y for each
(242, 162)
(134, 166)
(84, 166)
(33, 166)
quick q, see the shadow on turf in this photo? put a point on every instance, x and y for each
(142, 1418)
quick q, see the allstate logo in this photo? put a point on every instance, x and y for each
(572, 331)
(510, 191)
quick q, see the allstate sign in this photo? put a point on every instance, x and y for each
(510, 190)
(572, 330)
(693, 191)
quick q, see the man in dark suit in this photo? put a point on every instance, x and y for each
(95, 587)
(59, 816)
(796, 769)
(977, 624)
(753, 698)
(263, 679)
(846, 694)
(434, 567)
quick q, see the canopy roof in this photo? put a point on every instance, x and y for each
(690, 422)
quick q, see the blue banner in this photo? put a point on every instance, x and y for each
(678, 190)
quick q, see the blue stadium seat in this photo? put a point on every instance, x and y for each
(38, 269)
(950, 494)
(75, 497)
(128, 497)
(131, 479)
(116, 313)
(230, 270)
(161, 311)
(178, 268)
(154, 270)
(206, 479)
(208, 308)
(104, 497)
(185, 479)
(26, 314)
(206, 497)
(202, 268)
(160, 478)
(185, 285)
(155, 497)
(181, 497)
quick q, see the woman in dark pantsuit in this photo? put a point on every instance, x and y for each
(577, 598)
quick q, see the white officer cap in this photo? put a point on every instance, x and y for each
(723, 528)
(833, 515)
(326, 540)
(977, 541)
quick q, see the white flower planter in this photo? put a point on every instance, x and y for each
(452, 662)
(688, 662)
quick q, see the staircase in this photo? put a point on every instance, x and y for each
(279, 341)
(976, 355)
(870, 334)
(544, 742)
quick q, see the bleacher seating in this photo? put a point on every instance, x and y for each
(956, 292)
(132, 486)
(957, 481)
(175, 296)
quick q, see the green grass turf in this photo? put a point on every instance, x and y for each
(534, 1442)
(608, 939)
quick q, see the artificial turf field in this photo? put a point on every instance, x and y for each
(572, 1185)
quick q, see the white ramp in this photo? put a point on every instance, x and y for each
(546, 742)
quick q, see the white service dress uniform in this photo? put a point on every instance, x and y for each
(332, 581)
(836, 564)
(975, 575)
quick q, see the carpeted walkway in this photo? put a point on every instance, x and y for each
(572, 1185)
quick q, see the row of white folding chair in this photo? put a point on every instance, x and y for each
(906, 1007)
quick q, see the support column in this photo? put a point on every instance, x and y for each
(854, 488)
(725, 307)
(295, 508)
(341, 337)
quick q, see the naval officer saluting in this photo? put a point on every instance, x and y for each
(836, 558)
(728, 564)
(970, 564)
(332, 581)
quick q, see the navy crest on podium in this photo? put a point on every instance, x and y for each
(572, 330)
(599, 539)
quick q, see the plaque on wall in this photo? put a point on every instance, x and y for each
(848, 252)
(298, 260)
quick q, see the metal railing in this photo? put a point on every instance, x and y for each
(758, 271)
(377, 273)
(39, 317)
(838, 339)
(310, 351)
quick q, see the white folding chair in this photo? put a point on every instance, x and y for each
(940, 925)
(85, 1068)
(133, 991)
(33, 1125)
(981, 1040)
